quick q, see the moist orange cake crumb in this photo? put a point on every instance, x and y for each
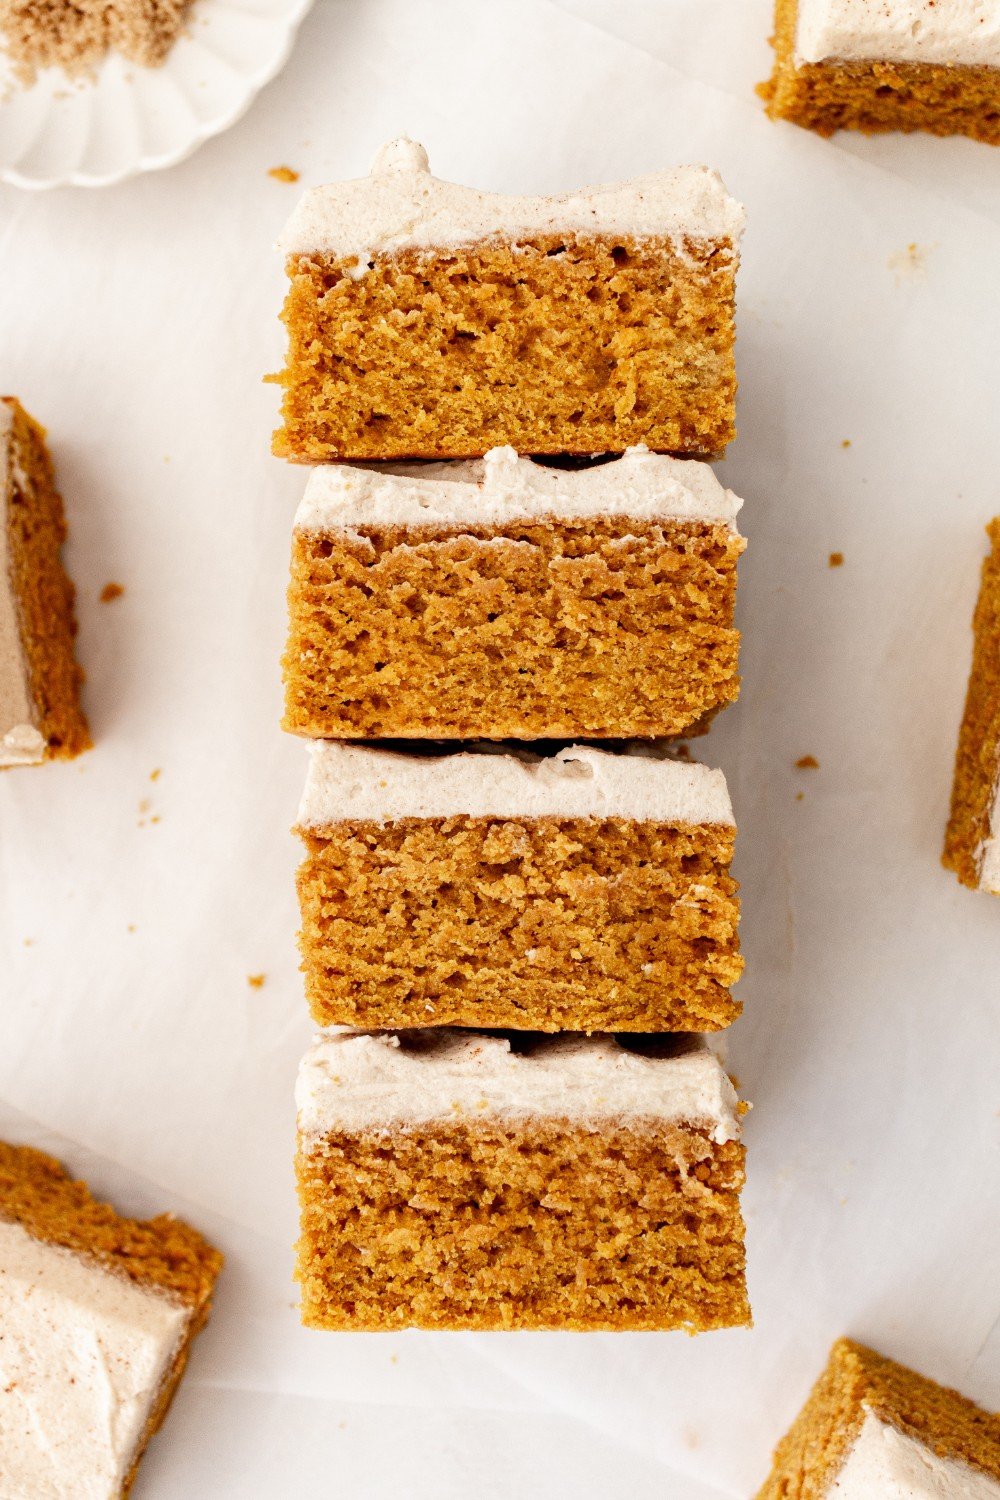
(585, 891)
(453, 1179)
(40, 713)
(872, 1427)
(507, 599)
(427, 320)
(98, 1314)
(972, 838)
(874, 66)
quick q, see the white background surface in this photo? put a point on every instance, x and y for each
(137, 322)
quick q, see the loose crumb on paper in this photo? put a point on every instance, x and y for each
(845, 443)
(256, 981)
(155, 775)
(111, 591)
(807, 763)
(799, 796)
(836, 559)
(283, 174)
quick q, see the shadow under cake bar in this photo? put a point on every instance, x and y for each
(972, 839)
(509, 599)
(427, 320)
(876, 65)
(874, 1430)
(40, 714)
(586, 891)
(97, 1317)
(453, 1179)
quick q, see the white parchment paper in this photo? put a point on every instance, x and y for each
(137, 322)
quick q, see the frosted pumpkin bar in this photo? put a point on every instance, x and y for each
(505, 599)
(876, 65)
(40, 714)
(97, 1317)
(585, 891)
(972, 838)
(874, 1430)
(427, 320)
(454, 1179)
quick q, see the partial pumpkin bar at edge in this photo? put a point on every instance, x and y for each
(874, 66)
(585, 891)
(505, 599)
(459, 1180)
(972, 838)
(427, 320)
(97, 1316)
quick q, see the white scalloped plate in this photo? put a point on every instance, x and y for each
(130, 119)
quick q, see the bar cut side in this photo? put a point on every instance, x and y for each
(586, 891)
(98, 1313)
(503, 599)
(40, 713)
(972, 838)
(460, 1180)
(427, 320)
(872, 1427)
(855, 65)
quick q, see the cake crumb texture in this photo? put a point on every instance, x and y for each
(547, 924)
(878, 95)
(36, 530)
(856, 1380)
(537, 1225)
(569, 345)
(606, 628)
(74, 35)
(977, 762)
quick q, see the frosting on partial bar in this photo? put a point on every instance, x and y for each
(887, 1464)
(357, 783)
(989, 857)
(374, 1080)
(20, 741)
(400, 206)
(959, 32)
(83, 1354)
(503, 488)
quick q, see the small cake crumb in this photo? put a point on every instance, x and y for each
(110, 592)
(836, 559)
(799, 796)
(283, 174)
(909, 264)
(256, 981)
(155, 775)
(846, 443)
(807, 763)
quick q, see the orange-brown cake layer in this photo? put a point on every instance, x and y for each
(974, 825)
(859, 1384)
(503, 1217)
(879, 94)
(605, 628)
(43, 595)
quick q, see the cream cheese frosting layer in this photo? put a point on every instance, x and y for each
(83, 1354)
(400, 206)
(957, 32)
(503, 488)
(887, 1464)
(21, 744)
(354, 783)
(989, 866)
(372, 1080)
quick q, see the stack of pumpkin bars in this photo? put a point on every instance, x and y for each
(512, 591)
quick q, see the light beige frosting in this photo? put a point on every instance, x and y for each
(989, 854)
(504, 488)
(884, 1463)
(83, 1354)
(358, 783)
(958, 32)
(400, 206)
(374, 1080)
(21, 744)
